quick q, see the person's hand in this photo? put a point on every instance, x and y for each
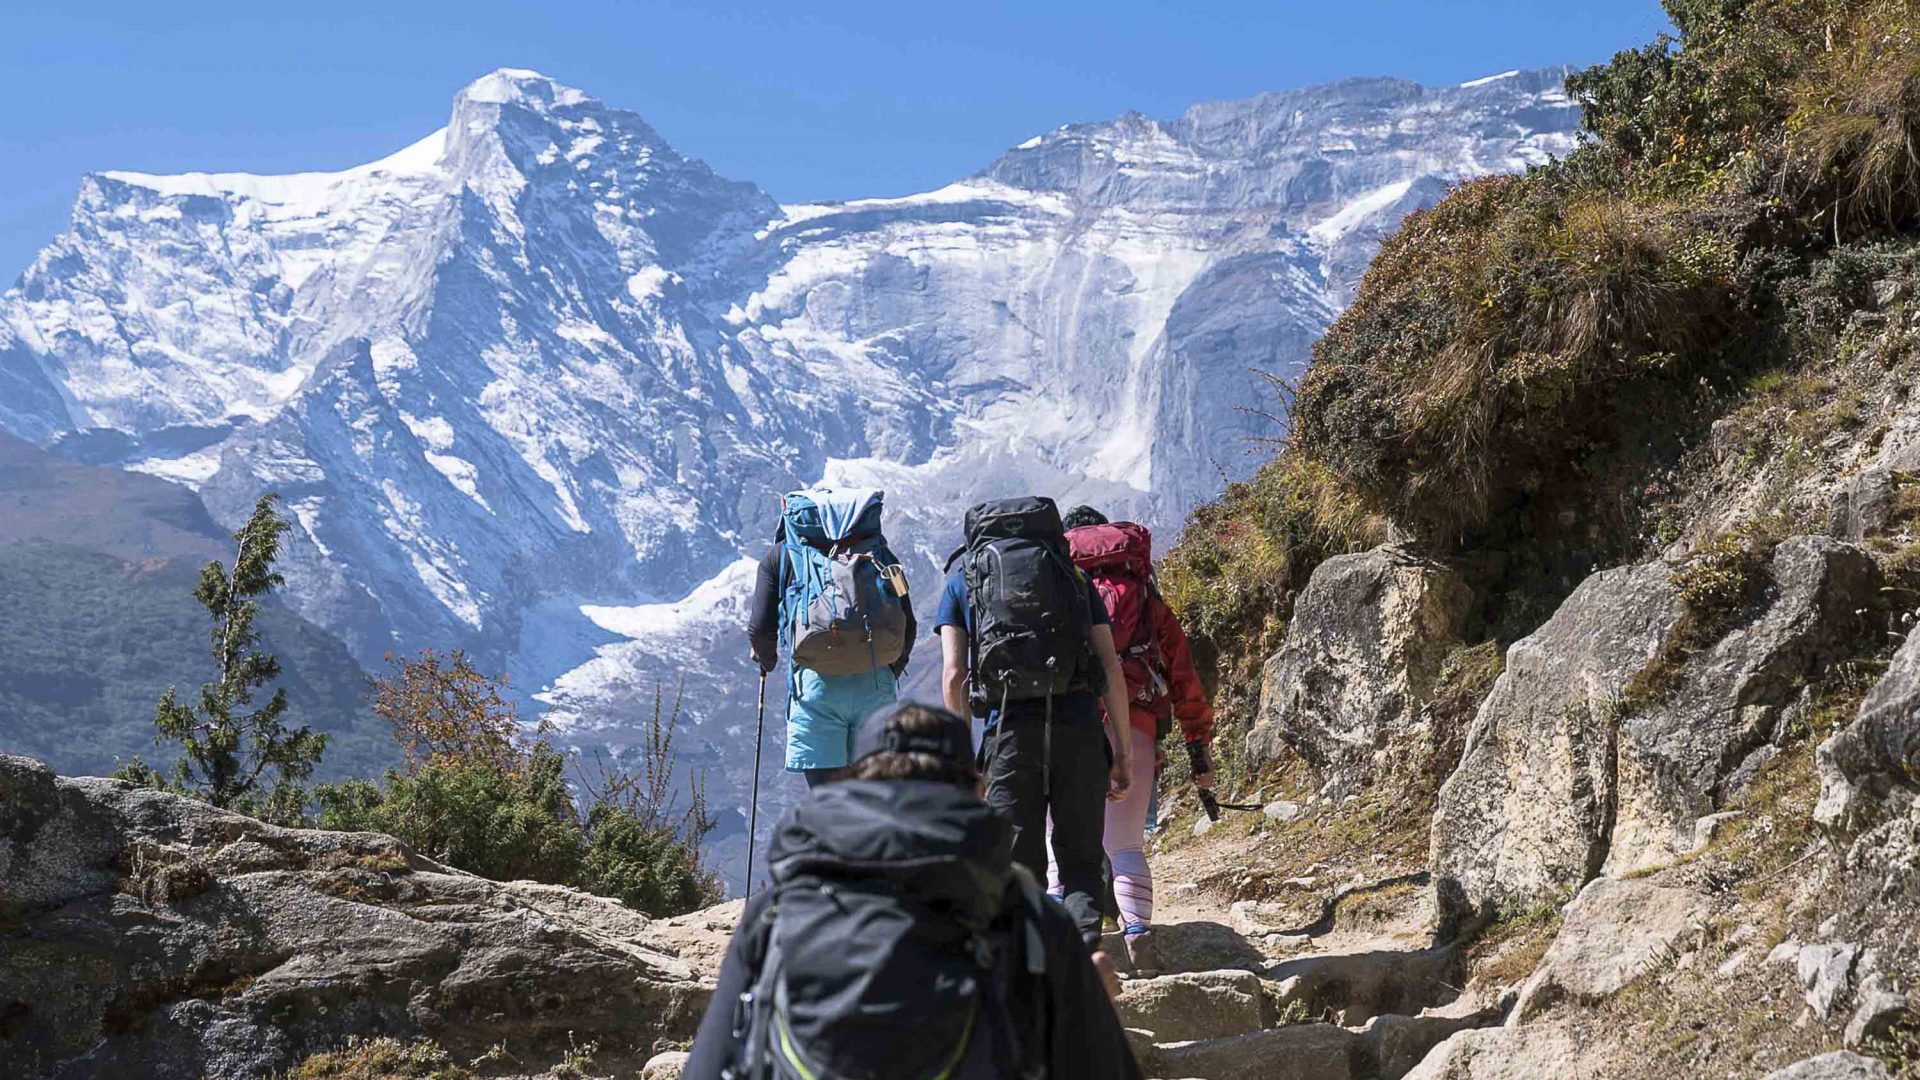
(766, 661)
(1200, 765)
(1119, 777)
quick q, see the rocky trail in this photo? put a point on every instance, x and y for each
(1238, 999)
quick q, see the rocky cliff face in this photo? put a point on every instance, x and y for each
(530, 385)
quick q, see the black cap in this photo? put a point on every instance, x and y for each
(880, 732)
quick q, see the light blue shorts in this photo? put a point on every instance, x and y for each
(825, 711)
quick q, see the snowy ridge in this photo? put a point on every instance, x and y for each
(530, 384)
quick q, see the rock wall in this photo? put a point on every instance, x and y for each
(1560, 781)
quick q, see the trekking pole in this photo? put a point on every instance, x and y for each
(753, 811)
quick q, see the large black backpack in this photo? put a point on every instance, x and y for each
(1032, 623)
(863, 976)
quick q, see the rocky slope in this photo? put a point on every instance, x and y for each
(1626, 705)
(530, 385)
(151, 935)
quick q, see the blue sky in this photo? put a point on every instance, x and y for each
(812, 100)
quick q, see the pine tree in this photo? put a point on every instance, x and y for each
(228, 744)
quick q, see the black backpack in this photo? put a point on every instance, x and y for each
(863, 976)
(1032, 623)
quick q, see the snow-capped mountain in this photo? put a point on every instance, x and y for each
(532, 385)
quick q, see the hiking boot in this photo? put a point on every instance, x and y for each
(1143, 951)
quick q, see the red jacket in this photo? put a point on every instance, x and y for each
(1185, 696)
(1154, 656)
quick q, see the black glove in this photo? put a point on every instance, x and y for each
(767, 659)
(1198, 760)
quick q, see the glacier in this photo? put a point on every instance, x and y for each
(531, 386)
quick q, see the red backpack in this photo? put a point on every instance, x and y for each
(1119, 559)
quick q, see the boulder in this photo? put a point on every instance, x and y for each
(1883, 1013)
(1356, 987)
(1361, 655)
(1614, 933)
(1839, 1065)
(1395, 1044)
(1680, 759)
(146, 934)
(667, 1066)
(1195, 1005)
(1873, 764)
(1535, 1052)
(1525, 817)
(1560, 782)
(1827, 975)
(1202, 946)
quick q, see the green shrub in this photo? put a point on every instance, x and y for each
(478, 795)
(382, 1058)
(1495, 337)
(1717, 587)
(1856, 125)
(504, 825)
(644, 861)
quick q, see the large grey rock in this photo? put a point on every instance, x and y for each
(1355, 987)
(1535, 1052)
(1525, 817)
(1882, 1014)
(146, 934)
(1839, 1065)
(1678, 759)
(1195, 1005)
(1614, 933)
(1874, 762)
(1559, 782)
(1200, 945)
(1362, 653)
(1394, 1045)
(1827, 974)
(666, 1066)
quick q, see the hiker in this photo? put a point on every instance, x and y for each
(1025, 645)
(832, 595)
(899, 939)
(1161, 687)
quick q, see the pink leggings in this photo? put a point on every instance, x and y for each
(1125, 834)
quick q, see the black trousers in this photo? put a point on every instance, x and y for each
(1026, 779)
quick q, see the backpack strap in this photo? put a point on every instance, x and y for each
(753, 1012)
(1028, 1055)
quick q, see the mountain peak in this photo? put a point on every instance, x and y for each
(521, 86)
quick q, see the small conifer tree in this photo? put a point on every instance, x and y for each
(229, 744)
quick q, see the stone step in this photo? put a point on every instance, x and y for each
(1352, 988)
(1386, 1048)
(1196, 1005)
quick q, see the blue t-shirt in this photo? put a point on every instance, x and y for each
(1073, 707)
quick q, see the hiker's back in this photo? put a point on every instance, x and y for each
(1118, 556)
(898, 942)
(844, 611)
(1029, 612)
